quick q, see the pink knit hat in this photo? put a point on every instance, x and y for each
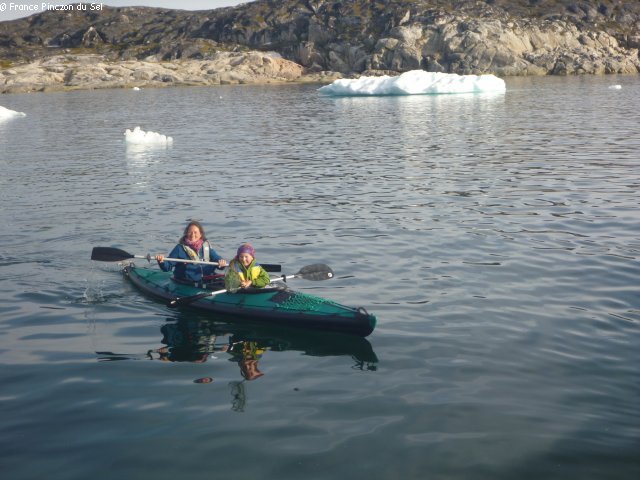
(246, 248)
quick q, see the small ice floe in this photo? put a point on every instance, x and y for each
(140, 137)
(415, 82)
(6, 114)
(615, 87)
(136, 89)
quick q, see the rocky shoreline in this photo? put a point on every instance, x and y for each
(316, 41)
(91, 71)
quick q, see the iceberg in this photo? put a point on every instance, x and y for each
(6, 114)
(415, 82)
(140, 137)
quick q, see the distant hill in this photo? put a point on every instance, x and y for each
(506, 37)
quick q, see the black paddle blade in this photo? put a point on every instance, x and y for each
(108, 254)
(271, 267)
(315, 272)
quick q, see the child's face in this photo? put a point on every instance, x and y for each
(245, 259)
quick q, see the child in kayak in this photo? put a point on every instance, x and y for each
(244, 272)
(192, 246)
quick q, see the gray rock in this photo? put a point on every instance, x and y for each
(157, 47)
(68, 72)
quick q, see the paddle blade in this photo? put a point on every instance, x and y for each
(108, 254)
(315, 272)
(271, 267)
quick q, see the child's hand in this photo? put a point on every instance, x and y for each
(245, 283)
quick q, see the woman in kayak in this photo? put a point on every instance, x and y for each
(244, 272)
(192, 246)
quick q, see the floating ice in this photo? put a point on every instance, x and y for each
(5, 113)
(415, 82)
(136, 89)
(615, 87)
(140, 137)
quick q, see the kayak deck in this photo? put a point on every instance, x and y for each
(278, 305)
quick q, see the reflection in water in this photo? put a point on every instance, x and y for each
(196, 339)
(141, 155)
(140, 158)
(526, 369)
(247, 355)
(239, 396)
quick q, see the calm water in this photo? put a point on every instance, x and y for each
(497, 239)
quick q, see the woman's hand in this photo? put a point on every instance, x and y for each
(245, 283)
(160, 258)
(222, 263)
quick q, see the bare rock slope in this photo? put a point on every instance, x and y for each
(298, 40)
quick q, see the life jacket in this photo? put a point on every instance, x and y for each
(253, 272)
(193, 255)
(205, 280)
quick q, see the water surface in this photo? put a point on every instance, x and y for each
(496, 238)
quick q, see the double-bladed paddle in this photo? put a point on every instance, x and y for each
(109, 254)
(315, 272)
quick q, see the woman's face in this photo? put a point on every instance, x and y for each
(193, 233)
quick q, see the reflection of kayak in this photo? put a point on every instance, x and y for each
(189, 336)
(194, 334)
(270, 305)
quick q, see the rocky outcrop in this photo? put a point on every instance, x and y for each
(123, 46)
(503, 37)
(471, 45)
(69, 72)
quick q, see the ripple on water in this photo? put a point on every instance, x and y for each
(496, 240)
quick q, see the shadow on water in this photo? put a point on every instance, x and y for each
(195, 338)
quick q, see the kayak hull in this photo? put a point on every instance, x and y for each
(278, 306)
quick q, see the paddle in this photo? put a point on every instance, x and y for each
(315, 272)
(109, 254)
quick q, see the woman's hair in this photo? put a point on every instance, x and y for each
(197, 224)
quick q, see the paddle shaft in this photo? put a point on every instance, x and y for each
(109, 254)
(269, 267)
(217, 292)
(148, 257)
(180, 260)
(283, 278)
(194, 298)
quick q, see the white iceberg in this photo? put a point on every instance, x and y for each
(615, 87)
(415, 82)
(5, 113)
(140, 137)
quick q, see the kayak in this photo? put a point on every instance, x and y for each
(274, 304)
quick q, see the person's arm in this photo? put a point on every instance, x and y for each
(214, 257)
(168, 266)
(263, 279)
(164, 266)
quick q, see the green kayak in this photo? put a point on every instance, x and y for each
(276, 305)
